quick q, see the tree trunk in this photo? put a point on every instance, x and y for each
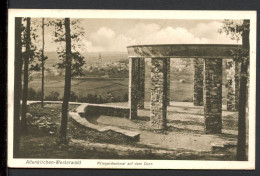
(42, 98)
(17, 85)
(241, 139)
(26, 74)
(64, 119)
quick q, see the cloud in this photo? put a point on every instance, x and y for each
(109, 38)
(103, 37)
(154, 34)
(106, 39)
(142, 29)
(210, 31)
(170, 35)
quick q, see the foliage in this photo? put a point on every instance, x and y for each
(235, 29)
(34, 52)
(125, 98)
(76, 33)
(33, 95)
(73, 96)
(232, 28)
(241, 55)
(90, 98)
(54, 96)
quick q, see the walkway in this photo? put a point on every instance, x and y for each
(185, 127)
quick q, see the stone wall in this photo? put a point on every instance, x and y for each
(97, 110)
(232, 84)
(141, 81)
(168, 80)
(198, 81)
(213, 95)
(133, 87)
(158, 108)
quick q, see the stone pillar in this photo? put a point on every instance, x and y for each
(198, 81)
(213, 95)
(158, 93)
(141, 80)
(133, 87)
(168, 81)
(232, 84)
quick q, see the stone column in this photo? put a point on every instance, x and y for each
(198, 81)
(141, 79)
(213, 95)
(133, 87)
(158, 108)
(168, 81)
(232, 84)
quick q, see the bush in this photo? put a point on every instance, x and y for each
(38, 95)
(73, 96)
(125, 99)
(92, 98)
(188, 99)
(54, 96)
(31, 94)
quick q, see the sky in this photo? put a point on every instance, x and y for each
(101, 35)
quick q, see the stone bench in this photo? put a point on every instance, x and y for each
(134, 136)
(108, 110)
(224, 146)
(86, 111)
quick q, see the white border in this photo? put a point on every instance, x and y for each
(141, 14)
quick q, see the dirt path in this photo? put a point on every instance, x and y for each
(185, 127)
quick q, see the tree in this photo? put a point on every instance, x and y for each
(17, 84)
(28, 56)
(71, 61)
(26, 73)
(64, 118)
(241, 142)
(237, 31)
(42, 59)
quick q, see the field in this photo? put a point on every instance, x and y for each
(117, 87)
(84, 86)
(180, 91)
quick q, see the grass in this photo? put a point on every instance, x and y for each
(84, 87)
(179, 91)
(116, 87)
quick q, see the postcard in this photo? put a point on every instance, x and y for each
(131, 89)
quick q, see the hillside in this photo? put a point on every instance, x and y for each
(90, 57)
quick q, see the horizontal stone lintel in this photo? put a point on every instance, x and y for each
(181, 51)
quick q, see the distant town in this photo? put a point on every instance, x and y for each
(95, 67)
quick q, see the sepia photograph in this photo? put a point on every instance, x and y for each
(128, 89)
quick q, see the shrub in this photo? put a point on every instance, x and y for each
(92, 98)
(188, 99)
(53, 96)
(125, 99)
(73, 96)
(38, 95)
(82, 99)
(31, 94)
